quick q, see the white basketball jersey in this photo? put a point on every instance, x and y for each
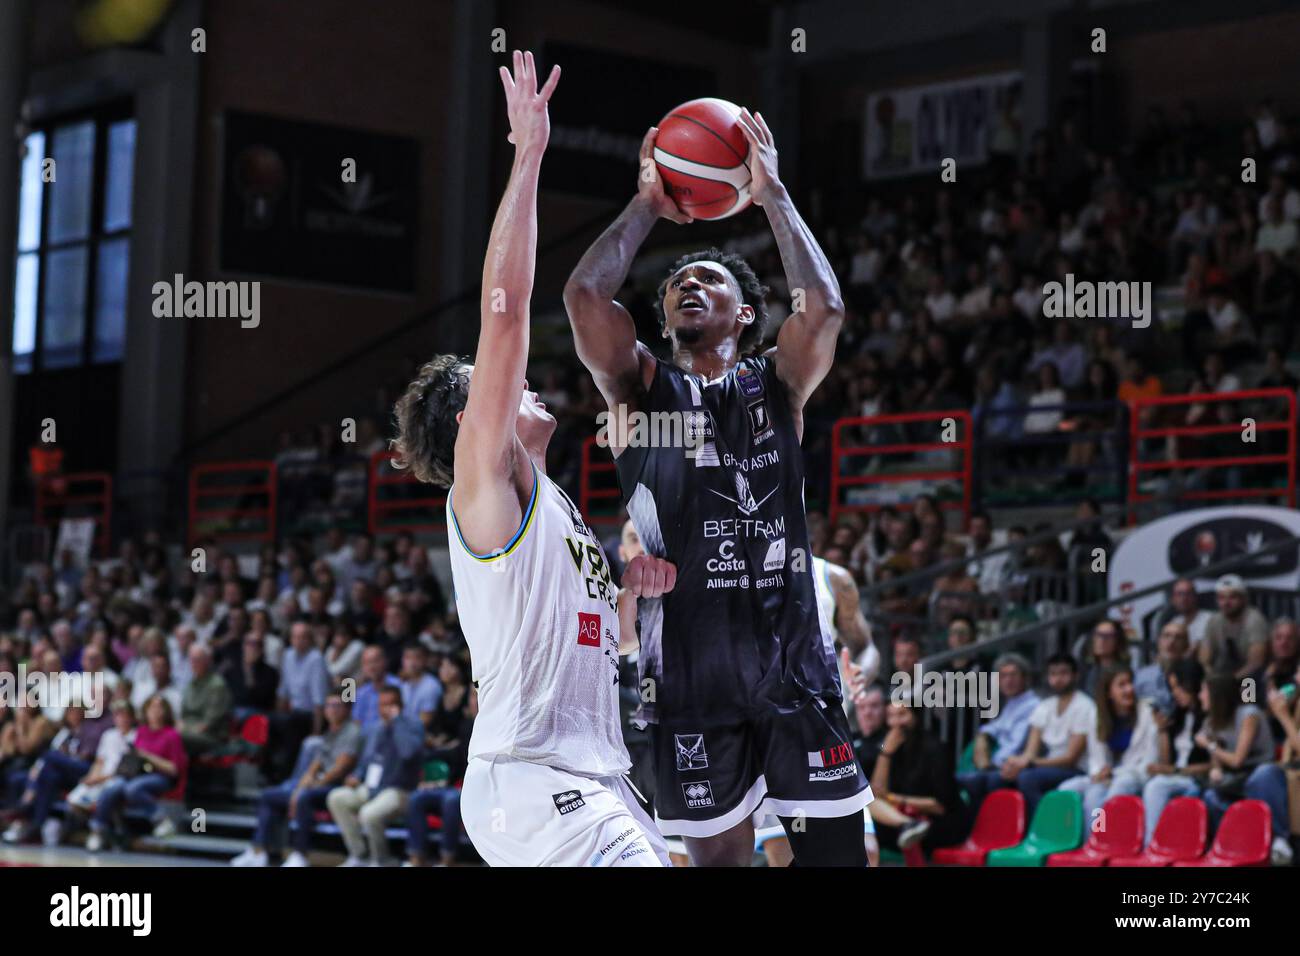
(540, 616)
(825, 596)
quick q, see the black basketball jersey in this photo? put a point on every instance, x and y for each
(741, 630)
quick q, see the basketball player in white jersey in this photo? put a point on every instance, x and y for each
(545, 784)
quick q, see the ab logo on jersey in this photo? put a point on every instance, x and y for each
(589, 629)
(691, 754)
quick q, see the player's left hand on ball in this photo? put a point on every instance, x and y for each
(762, 155)
(649, 577)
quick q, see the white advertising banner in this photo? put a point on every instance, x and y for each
(912, 129)
(1182, 544)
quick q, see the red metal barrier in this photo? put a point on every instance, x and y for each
(1138, 432)
(841, 453)
(63, 491)
(597, 464)
(223, 500)
(401, 482)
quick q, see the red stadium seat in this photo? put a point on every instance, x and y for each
(1244, 837)
(256, 730)
(1121, 837)
(1180, 835)
(1001, 823)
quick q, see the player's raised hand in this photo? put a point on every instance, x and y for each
(530, 125)
(649, 577)
(762, 156)
(851, 676)
(650, 185)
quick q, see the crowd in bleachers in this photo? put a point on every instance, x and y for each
(339, 675)
(1213, 714)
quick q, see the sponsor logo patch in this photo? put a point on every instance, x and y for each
(759, 423)
(568, 801)
(691, 754)
(588, 629)
(832, 763)
(775, 558)
(750, 382)
(698, 794)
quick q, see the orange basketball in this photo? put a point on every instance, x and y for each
(701, 152)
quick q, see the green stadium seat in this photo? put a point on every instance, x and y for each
(1056, 828)
(966, 763)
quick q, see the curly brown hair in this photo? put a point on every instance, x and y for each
(426, 419)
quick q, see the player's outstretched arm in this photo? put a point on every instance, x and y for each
(603, 331)
(805, 346)
(487, 499)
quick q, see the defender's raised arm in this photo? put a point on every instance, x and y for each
(486, 499)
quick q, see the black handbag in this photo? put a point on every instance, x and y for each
(133, 765)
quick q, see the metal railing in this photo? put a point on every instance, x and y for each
(1046, 637)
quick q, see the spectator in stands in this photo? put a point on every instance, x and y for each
(158, 681)
(360, 562)
(1284, 708)
(907, 654)
(988, 569)
(343, 655)
(1152, 680)
(438, 794)
(300, 700)
(205, 706)
(329, 762)
(1283, 654)
(1006, 734)
(1182, 765)
(395, 634)
(421, 691)
(183, 640)
(1122, 743)
(914, 775)
(22, 740)
(1240, 745)
(954, 594)
(1236, 638)
(1107, 644)
(153, 769)
(869, 711)
(389, 769)
(449, 716)
(252, 681)
(81, 799)
(1184, 609)
(59, 767)
(374, 678)
(1059, 725)
(1048, 395)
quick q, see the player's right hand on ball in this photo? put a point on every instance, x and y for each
(650, 185)
(649, 577)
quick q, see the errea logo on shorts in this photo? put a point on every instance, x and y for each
(698, 794)
(568, 801)
(691, 754)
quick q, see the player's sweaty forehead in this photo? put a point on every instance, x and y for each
(698, 268)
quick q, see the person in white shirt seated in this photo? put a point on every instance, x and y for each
(157, 681)
(1122, 744)
(1058, 736)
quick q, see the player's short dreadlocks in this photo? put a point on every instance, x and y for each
(751, 292)
(426, 419)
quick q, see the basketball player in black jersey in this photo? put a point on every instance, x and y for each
(739, 675)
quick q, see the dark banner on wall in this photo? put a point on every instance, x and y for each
(612, 99)
(288, 211)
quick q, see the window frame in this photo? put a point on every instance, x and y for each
(103, 116)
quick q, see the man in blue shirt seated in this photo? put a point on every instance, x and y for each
(1152, 681)
(374, 678)
(1006, 733)
(421, 691)
(380, 788)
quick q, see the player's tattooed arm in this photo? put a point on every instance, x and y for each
(603, 330)
(489, 498)
(850, 623)
(805, 346)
